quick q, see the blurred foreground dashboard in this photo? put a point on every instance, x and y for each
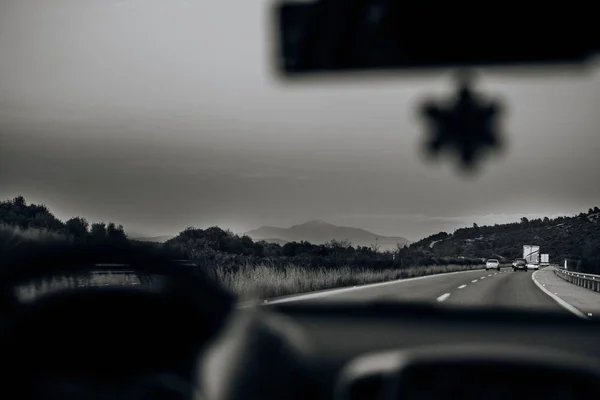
(134, 344)
(401, 351)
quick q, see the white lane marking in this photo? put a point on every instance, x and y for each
(474, 280)
(443, 297)
(462, 286)
(495, 273)
(490, 275)
(483, 277)
(560, 301)
(306, 296)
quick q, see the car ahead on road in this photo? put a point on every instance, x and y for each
(532, 266)
(211, 337)
(492, 263)
(520, 263)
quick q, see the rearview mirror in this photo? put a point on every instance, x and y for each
(342, 35)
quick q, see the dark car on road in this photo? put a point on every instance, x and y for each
(520, 263)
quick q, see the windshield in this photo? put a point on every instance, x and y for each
(164, 122)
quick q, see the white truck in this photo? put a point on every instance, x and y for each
(531, 253)
(544, 260)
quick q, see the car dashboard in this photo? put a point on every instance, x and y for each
(408, 351)
(133, 344)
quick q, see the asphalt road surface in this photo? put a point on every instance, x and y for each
(506, 288)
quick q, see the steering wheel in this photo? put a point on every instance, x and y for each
(179, 337)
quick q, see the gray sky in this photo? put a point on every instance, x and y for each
(162, 115)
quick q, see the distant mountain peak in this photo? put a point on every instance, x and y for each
(320, 232)
(316, 223)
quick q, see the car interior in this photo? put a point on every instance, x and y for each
(182, 337)
(178, 335)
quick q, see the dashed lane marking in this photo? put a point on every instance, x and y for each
(443, 297)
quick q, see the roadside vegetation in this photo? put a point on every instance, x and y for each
(264, 282)
(574, 238)
(262, 269)
(260, 281)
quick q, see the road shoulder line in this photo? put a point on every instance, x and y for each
(560, 301)
(332, 292)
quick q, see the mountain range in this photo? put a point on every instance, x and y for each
(320, 232)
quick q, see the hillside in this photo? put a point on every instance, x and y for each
(155, 239)
(574, 238)
(280, 242)
(24, 226)
(321, 232)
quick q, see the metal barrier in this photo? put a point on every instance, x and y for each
(588, 281)
(111, 272)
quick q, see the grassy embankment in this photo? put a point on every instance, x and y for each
(247, 282)
(266, 282)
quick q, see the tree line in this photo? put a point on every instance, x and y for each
(576, 238)
(217, 247)
(26, 225)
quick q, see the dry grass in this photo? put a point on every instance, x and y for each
(261, 282)
(247, 282)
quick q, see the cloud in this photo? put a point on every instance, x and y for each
(483, 218)
(255, 175)
(273, 175)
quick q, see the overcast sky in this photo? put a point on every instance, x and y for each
(162, 115)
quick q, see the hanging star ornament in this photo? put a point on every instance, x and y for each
(466, 128)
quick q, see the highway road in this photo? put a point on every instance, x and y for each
(472, 288)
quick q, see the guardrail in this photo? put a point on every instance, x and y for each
(111, 272)
(588, 281)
